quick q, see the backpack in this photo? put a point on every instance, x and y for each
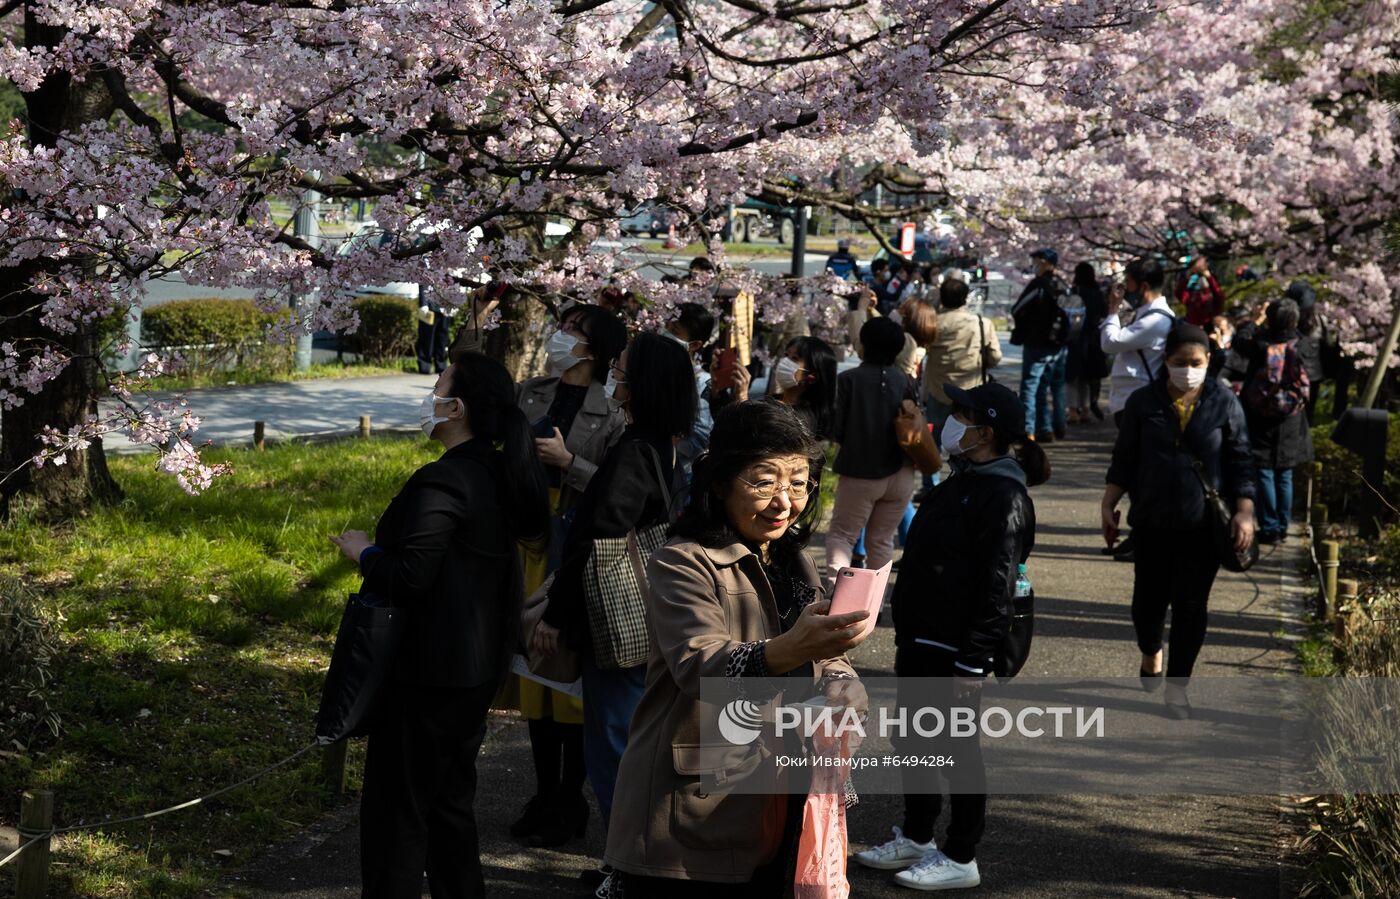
(1279, 388)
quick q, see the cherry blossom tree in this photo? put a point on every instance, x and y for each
(158, 133)
(1250, 128)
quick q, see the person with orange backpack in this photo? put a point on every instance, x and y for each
(1275, 399)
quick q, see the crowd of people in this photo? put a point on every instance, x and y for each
(620, 521)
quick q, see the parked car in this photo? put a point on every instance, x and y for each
(647, 219)
(370, 234)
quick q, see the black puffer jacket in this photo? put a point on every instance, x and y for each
(1152, 458)
(959, 570)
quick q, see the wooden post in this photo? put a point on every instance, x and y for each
(1347, 590)
(333, 768)
(364, 426)
(260, 435)
(35, 818)
(1331, 560)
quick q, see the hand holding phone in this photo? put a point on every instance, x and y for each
(722, 372)
(1111, 517)
(543, 427)
(860, 589)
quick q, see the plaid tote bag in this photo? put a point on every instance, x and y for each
(615, 589)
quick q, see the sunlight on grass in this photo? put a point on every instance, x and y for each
(197, 632)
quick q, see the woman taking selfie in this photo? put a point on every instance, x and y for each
(1182, 420)
(574, 427)
(952, 611)
(445, 550)
(733, 596)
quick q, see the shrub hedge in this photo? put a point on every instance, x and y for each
(216, 334)
(388, 328)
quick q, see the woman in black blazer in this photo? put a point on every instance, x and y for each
(445, 550)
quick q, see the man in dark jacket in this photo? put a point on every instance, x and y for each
(841, 263)
(1039, 328)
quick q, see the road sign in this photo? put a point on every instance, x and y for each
(906, 240)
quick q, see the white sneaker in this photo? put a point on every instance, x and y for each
(939, 872)
(898, 853)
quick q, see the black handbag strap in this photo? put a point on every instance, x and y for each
(983, 344)
(660, 477)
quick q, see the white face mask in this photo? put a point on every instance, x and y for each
(427, 411)
(559, 350)
(785, 373)
(953, 432)
(1186, 378)
(610, 390)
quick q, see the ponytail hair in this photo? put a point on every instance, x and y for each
(1032, 459)
(488, 391)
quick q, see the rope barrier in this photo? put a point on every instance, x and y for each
(34, 838)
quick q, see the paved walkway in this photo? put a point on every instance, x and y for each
(1035, 846)
(302, 408)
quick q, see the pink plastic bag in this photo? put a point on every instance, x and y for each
(821, 853)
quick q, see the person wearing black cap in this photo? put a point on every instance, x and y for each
(1317, 346)
(952, 613)
(1042, 328)
(1182, 418)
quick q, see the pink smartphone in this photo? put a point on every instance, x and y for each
(860, 588)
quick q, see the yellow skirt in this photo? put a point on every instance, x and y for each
(534, 700)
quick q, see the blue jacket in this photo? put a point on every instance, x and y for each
(1153, 459)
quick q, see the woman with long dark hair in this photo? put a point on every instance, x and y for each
(952, 612)
(1088, 364)
(805, 379)
(733, 596)
(653, 382)
(445, 551)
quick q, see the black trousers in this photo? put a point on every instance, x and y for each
(966, 778)
(1173, 570)
(420, 782)
(431, 346)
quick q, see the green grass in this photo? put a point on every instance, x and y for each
(245, 376)
(196, 635)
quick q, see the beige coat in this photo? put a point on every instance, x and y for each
(704, 603)
(955, 355)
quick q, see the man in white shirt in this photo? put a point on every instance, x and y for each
(1138, 345)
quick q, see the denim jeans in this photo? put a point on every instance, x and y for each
(1043, 373)
(1275, 500)
(610, 696)
(935, 413)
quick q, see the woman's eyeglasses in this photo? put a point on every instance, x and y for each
(768, 488)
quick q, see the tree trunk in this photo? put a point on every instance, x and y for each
(59, 104)
(516, 343)
(55, 490)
